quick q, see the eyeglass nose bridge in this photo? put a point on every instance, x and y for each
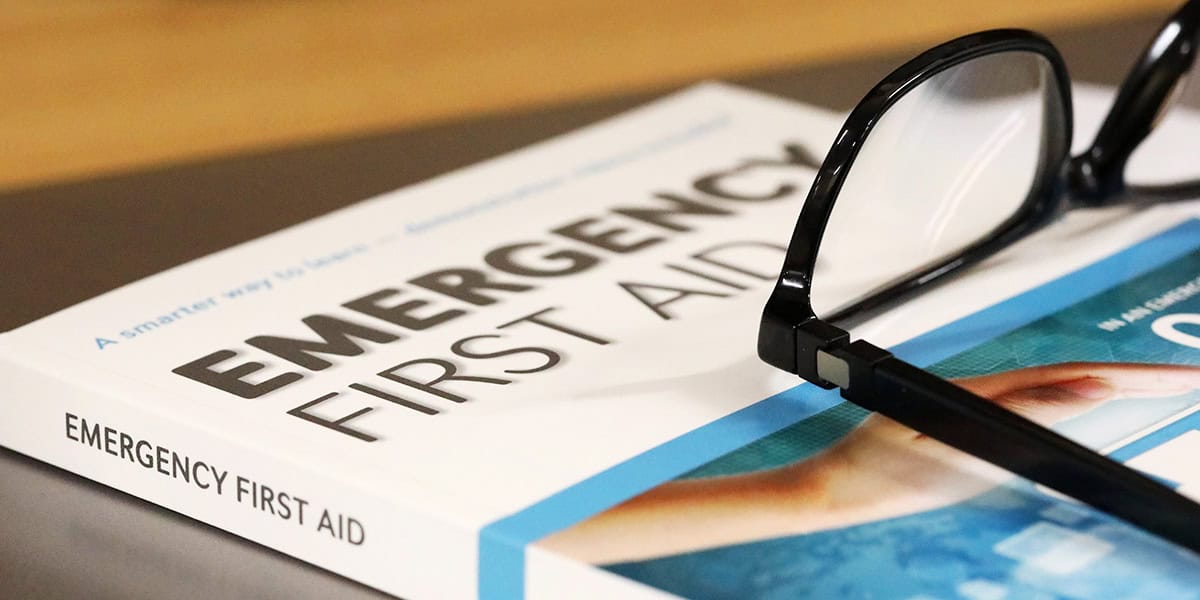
(1097, 176)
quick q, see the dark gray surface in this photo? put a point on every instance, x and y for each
(64, 537)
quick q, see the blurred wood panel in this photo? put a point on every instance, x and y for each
(93, 87)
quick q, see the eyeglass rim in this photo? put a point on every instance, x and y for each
(790, 304)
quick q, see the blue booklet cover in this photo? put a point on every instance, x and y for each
(1012, 541)
(1106, 355)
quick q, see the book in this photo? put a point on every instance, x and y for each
(432, 391)
(433, 334)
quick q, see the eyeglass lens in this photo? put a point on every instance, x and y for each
(943, 167)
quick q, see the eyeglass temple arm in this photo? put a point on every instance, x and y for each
(1146, 94)
(876, 380)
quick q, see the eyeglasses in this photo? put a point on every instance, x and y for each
(956, 155)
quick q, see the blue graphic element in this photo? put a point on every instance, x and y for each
(1158, 438)
(951, 552)
(932, 555)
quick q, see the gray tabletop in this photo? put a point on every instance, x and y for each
(64, 536)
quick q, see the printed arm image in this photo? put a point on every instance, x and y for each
(879, 470)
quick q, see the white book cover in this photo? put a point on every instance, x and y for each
(414, 390)
(454, 350)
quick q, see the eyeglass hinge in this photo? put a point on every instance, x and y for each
(826, 357)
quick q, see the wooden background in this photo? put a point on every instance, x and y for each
(93, 87)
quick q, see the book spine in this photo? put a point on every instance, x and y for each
(234, 486)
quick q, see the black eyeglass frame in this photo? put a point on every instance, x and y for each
(793, 338)
(1094, 178)
(790, 302)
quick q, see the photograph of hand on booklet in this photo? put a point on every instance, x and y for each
(880, 470)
